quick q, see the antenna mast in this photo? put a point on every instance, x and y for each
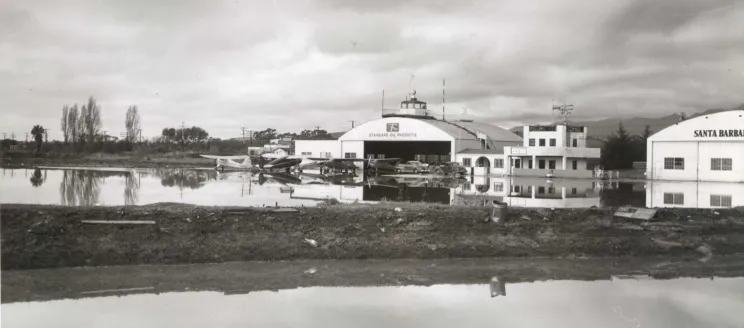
(565, 111)
(443, 102)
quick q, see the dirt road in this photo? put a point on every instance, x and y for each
(54, 236)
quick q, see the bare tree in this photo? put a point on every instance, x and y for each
(132, 124)
(63, 123)
(91, 119)
(73, 124)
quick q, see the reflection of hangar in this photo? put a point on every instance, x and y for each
(411, 132)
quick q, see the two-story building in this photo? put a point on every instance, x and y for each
(557, 150)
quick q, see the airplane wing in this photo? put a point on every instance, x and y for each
(347, 160)
(234, 157)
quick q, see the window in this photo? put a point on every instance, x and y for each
(575, 164)
(532, 142)
(720, 200)
(541, 164)
(498, 163)
(551, 165)
(529, 189)
(529, 163)
(720, 164)
(540, 190)
(350, 155)
(573, 191)
(575, 142)
(306, 153)
(542, 142)
(517, 163)
(498, 186)
(674, 163)
(325, 155)
(466, 162)
(674, 198)
(552, 142)
(551, 190)
(515, 188)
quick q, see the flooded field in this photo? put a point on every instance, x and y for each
(90, 187)
(395, 294)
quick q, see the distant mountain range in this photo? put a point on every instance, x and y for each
(598, 130)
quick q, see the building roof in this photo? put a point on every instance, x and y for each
(481, 151)
(721, 126)
(465, 130)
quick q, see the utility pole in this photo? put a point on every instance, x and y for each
(352, 123)
(243, 129)
(12, 136)
(4, 134)
(26, 137)
(46, 135)
(317, 129)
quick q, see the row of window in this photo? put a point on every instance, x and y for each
(552, 141)
(716, 164)
(540, 190)
(678, 198)
(498, 163)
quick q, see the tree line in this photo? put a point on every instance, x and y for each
(621, 149)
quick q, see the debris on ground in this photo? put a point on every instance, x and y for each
(55, 236)
(311, 242)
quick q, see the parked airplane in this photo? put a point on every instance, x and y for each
(268, 161)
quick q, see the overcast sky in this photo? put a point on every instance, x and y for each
(294, 65)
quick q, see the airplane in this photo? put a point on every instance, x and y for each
(267, 161)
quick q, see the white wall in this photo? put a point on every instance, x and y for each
(559, 135)
(482, 170)
(316, 147)
(697, 157)
(733, 150)
(696, 194)
(671, 149)
(353, 147)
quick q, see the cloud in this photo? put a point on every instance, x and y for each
(294, 65)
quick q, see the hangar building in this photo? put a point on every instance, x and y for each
(705, 148)
(411, 133)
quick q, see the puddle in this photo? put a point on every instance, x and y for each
(112, 186)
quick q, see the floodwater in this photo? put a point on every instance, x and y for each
(683, 302)
(91, 187)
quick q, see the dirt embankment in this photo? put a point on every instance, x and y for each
(55, 236)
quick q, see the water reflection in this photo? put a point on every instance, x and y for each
(83, 187)
(207, 187)
(37, 179)
(184, 178)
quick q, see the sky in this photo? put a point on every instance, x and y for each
(300, 64)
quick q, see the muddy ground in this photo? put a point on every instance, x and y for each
(247, 277)
(36, 236)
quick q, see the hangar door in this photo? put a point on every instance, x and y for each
(424, 151)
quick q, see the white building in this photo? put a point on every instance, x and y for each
(559, 148)
(410, 133)
(705, 148)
